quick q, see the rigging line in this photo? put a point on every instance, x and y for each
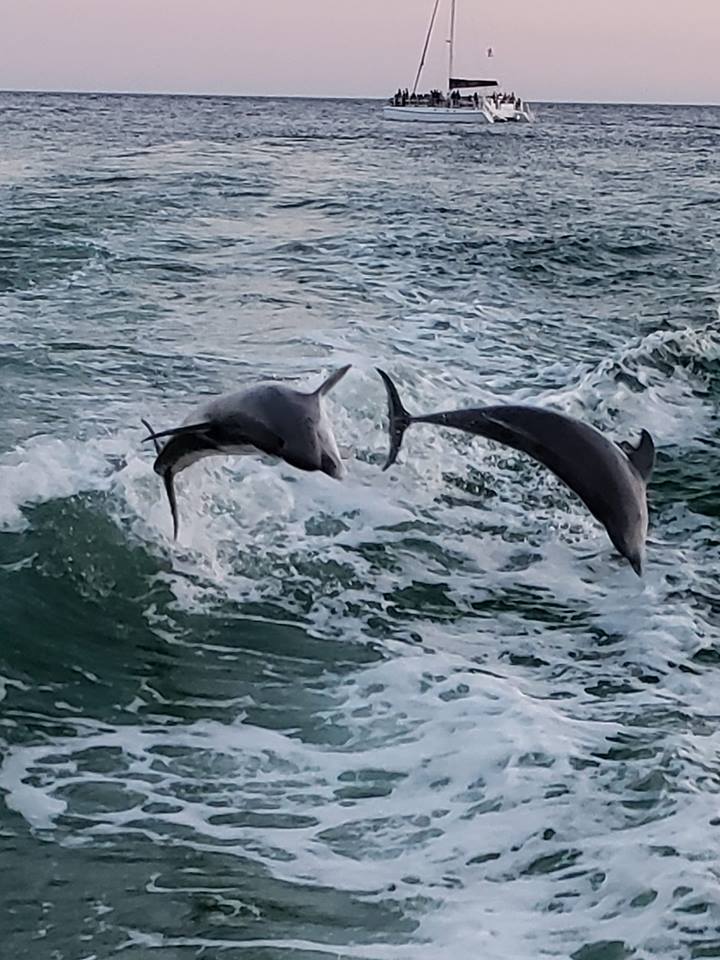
(425, 48)
(451, 42)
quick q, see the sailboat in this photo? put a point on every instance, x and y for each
(484, 104)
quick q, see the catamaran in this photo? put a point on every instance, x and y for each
(479, 106)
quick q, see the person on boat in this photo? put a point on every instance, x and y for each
(476, 100)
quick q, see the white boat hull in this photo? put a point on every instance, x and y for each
(487, 112)
(451, 115)
(507, 113)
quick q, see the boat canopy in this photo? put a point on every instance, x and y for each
(458, 84)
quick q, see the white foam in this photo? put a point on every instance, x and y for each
(478, 775)
(46, 468)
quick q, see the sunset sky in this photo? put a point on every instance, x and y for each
(606, 50)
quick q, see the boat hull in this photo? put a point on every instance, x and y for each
(461, 116)
(507, 113)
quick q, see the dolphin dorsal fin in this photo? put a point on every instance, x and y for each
(334, 378)
(642, 457)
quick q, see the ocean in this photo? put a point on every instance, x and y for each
(417, 713)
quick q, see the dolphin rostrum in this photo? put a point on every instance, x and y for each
(610, 478)
(270, 417)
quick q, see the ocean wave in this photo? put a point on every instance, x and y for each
(418, 805)
(431, 700)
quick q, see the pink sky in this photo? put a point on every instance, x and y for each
(627, 50)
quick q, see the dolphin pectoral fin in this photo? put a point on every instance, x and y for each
(642, 457)
(168, 478)
(177, 431)
(398, 419)
(327, 385)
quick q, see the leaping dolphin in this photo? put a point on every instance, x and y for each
(270, 417)
(610, 478)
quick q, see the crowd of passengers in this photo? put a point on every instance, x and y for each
(500, 98)
(436, 98)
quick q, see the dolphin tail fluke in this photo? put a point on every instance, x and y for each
(193, 428)
(333, 379)
(398, 419)
(168, 478)
(151, 436)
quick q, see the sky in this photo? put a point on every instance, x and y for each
(577, 50)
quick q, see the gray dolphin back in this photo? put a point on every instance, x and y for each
(592, 466)
(609, 478)
(270, 417)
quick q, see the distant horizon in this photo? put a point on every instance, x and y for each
(547, 51)
(319, 96)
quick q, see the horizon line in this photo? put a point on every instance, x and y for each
(296, 96)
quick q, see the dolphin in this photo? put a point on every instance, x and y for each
(268, 417)
(610, 478)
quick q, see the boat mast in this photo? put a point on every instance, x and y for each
(425, 48)
(451, 42)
